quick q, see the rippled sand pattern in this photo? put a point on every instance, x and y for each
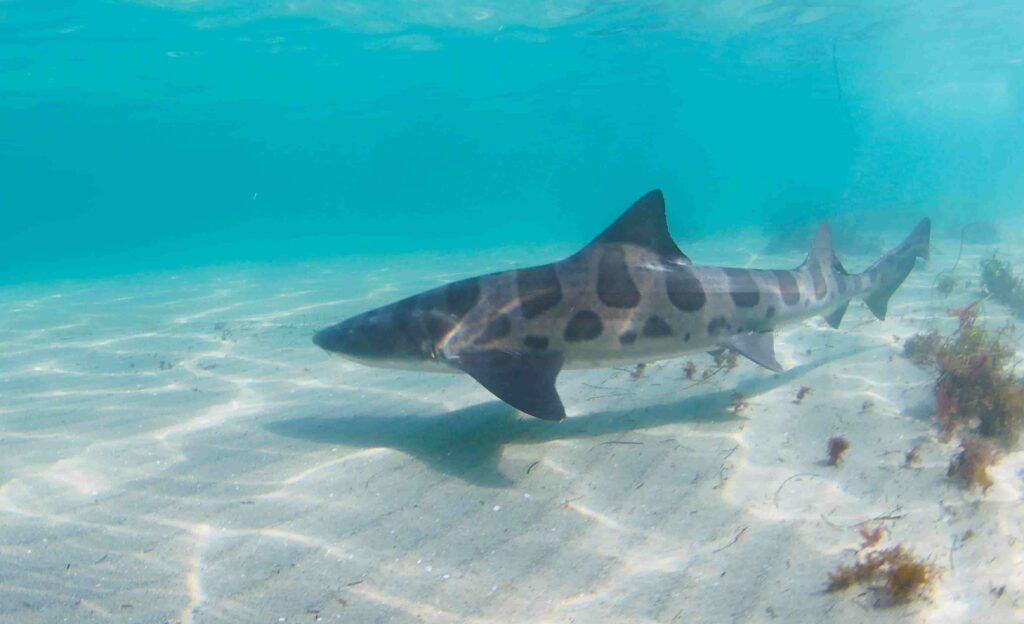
(174, 449)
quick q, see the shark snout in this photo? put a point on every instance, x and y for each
(368, 337)
(401, 335)
(335, 339)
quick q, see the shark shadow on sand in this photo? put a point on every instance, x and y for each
(468, 443)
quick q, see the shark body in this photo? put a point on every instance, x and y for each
(629, 296)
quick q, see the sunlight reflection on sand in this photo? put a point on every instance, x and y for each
(175, 449)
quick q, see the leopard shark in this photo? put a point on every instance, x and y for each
(629, 296)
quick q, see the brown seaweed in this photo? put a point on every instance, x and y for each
(901, 574)
(836, 447)
(972, 462)
(999, 282)
(726, 358)
(976, 385)
(922, 349)
(871, 537)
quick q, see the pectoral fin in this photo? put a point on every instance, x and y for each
(759, 347)
(526, 381)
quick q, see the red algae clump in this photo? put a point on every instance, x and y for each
(976, 387)
(836, 447)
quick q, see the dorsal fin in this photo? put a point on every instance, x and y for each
(644, 224)
(821, 248)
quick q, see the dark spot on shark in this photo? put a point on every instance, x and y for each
(818, 277)
(615, 287)
(534, 341)
(717, 324)
(743, 288)
(789, 287)
(627, 337)
(656, 327)
(499, 327)
(584, 325)
(462, 296)
(684, 289)
(539, 290)
(770, 312)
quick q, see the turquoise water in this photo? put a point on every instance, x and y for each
(189, 189)
(140, 135)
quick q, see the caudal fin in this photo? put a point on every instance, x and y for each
(888, 273)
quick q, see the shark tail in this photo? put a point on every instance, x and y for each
(890, 270)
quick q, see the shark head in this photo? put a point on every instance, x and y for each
(393, 336)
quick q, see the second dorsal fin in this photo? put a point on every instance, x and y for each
(821, 248)
(644, 225)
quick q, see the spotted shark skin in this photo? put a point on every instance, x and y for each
(629, 296)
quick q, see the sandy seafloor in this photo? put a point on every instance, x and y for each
(174, 449)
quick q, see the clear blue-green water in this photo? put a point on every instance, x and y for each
(189, 189)
(140, 135)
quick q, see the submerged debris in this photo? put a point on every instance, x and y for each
(802, 393)
(738, 402)
(727, 358)
(972, 462)
(946, 284)
(638, 371)
(902, 576)
(836, 447)
(912, 457)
